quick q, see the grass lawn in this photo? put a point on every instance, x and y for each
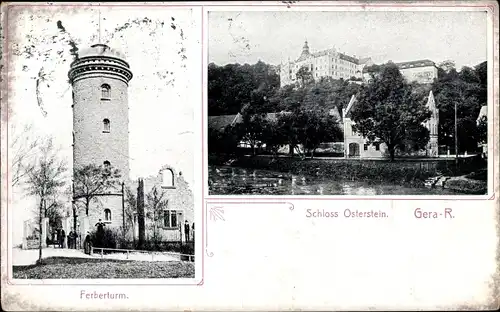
(79, 268)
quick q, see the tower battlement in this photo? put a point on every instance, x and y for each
(100, 61)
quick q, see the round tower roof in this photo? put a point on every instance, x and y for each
(100, 60)
(101, 50)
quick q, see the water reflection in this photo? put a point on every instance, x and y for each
(241, 181)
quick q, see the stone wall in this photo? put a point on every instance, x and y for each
(96, 212)
(91, 143)
(32, 236)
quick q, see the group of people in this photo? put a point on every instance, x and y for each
(59, 238)
(99, 237)
(88, 243)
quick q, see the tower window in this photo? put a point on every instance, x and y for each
(167, 178)
(105, 92)
(107, 215)
(172, 219)
(106, 125)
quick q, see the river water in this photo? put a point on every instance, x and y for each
(225, 180)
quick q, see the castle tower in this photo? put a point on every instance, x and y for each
(99, 78)
(432, 124)
(305, 49)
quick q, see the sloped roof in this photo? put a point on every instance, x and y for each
(274, 116)
(364, 60)
(349, 106)
(419, 63)
(431, 103)
(348, 58)
(222, 121)
(101, 50)
(324, 52)
(482, 112)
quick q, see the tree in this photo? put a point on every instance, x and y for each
(91, 181)
(467, 90)
(252, 130)
(304, 75)
(274, 137)
(233, 86)
(130, 209)
(23, 144)
(388, 110)
(446, 66)
(309, 128)
(155, 204)
(45, 180)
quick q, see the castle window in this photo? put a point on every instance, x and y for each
(167, 178)
(170, 218)
(107, 215)
(365, 147)
(377, 146)
(105, 92)
(106, 125)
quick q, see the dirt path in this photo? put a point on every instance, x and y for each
(28, 257)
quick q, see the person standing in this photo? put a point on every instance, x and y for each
(63, 238)
(58, 237)
(87, 244)
(186, 230)
(71, 239)
(100, 233)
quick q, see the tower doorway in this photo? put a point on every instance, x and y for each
(353, 150)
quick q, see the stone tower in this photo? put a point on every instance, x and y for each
(100, 78)
(305, 50)
(433, 126)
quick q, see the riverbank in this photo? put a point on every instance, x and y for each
(475, 183)
(409, 173)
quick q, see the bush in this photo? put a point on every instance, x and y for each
(481, 175)
(187, 249)
(109, 239)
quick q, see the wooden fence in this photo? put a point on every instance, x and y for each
(180, 256)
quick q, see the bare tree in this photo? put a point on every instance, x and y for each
(23, 144)
(130, 209)
(45, 181)
(156, 202)
(91, 181)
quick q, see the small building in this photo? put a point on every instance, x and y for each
(172, 196)
(222, 121)
(356, 146)
(483, 115)
(420, 71)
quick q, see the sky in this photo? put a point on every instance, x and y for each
(273, 37)
(163, 94)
